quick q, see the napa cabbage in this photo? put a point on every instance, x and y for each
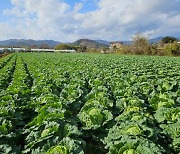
(93, 117)
(128, 145)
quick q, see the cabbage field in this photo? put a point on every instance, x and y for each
(55, 103)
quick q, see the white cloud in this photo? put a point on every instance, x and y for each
(78, 7)
(8, 31)
(111, 20)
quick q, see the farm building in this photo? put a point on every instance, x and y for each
(42, 50)
(17, 49)
(66, 51)
(52, 50)
(36, 50)
(117, 45)
(1, 51)
(13, 49)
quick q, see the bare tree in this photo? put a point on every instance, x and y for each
(140, 45)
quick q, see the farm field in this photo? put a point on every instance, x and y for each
(59, 103)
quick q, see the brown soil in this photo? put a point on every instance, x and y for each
(4, 55)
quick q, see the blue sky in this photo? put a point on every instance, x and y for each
(69, 20)
(4, 4)
(90, 5)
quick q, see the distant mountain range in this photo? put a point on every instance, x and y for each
(155, 40)
(38, 43)
(28, 43)
(81, 42)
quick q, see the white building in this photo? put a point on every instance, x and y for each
(53, 50)
(13, 49)
(1, 50)
(18, 49)
(66, 51)
(37, 50)
(43, 50)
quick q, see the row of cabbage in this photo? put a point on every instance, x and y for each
(78, 103)
(14, 93)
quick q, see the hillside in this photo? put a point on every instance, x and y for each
(88, 43)
(103, 42)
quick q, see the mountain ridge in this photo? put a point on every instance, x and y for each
(89, 43)
(28, 43)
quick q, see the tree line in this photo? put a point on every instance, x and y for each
(140, 45)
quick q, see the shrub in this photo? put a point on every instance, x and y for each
(63, 47)
(172, 49)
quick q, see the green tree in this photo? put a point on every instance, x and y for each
(63, 47)
(168, 39)
(84, 48)
(80, 48)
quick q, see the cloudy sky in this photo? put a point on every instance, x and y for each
(69, 20)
